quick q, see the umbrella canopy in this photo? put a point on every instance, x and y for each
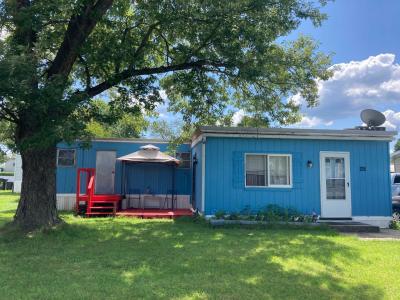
(149, 153)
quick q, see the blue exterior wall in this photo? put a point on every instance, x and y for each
(225, 175)
(155, 176)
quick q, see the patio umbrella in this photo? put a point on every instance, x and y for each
(149, 154)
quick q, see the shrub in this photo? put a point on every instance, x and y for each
(234, 216)
(220, 214)
(246, 211)
(395, 222)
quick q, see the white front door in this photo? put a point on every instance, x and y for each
(335, 185)
(105, 172)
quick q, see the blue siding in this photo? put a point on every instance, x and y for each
(225, 175)
(157, 177)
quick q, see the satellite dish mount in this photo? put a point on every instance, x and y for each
(373, 120)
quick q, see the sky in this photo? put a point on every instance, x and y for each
(363, 36)
(364, 39)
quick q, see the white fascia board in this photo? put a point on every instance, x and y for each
(296, 136)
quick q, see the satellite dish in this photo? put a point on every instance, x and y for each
(372, 118)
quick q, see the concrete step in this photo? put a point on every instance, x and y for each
(350, 226)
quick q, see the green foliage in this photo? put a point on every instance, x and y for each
(208, 57)
(397, 146)
(127, 125)
(395, 222)
(6, 174)
(175, 132)
(271, 213)
(3, 156)
(254, 121)
(220, 214)
(233, 216)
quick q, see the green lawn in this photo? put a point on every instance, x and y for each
(129, 259)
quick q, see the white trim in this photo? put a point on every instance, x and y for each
(381, 221)
(203, 174)
(269, 186)
(196, 140)
(310, 136)
(134, 141)
(66, 195)
(322, 181)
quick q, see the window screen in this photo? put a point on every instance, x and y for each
(66, 157)
(184, 158)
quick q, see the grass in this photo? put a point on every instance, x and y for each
(125, 258)
(6, 173)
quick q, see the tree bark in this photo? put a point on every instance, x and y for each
(37, 206)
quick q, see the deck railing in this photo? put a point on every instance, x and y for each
(90, 191)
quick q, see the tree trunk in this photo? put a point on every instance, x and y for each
(37, 206)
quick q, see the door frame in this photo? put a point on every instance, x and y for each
(346, 156)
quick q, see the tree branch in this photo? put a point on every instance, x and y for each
(79, 28)
(145, 39)
(6, 113)
(128, 73)
(87, 72)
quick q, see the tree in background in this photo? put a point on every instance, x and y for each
(208, 56)
(397, 146)
(254, 121)
(105, 124)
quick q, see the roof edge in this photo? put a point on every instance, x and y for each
(134, 140)
(293, 133)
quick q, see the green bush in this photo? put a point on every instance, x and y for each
(246, 211)
(395, 222)
(220, 214)
(271, 213)
(234, 216)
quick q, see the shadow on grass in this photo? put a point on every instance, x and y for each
(125, 258)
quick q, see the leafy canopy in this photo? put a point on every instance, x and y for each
(397, 146)
(209, 57)
(125, 125)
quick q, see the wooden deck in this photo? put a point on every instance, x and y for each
(154, 213)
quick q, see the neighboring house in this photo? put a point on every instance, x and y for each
(340, 174)
(17, 174)
(153, 178)
(395, 160)
(8, 166)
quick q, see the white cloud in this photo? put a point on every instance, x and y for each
(356, 85)
(237, 117)
(309, 122)
(392, 119)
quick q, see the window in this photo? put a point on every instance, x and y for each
(184, 157)
(396, 179)
(268, 170)
(66, 157)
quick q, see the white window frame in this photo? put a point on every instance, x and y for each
(58, 153)
(268, 186)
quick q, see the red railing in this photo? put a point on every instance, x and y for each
(90, 192)
(90, 180)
